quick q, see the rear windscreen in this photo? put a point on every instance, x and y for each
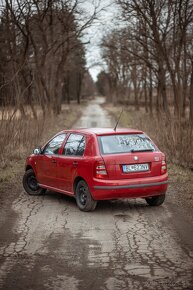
(112, 144)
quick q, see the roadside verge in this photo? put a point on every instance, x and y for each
(12, 170)
(180, 178)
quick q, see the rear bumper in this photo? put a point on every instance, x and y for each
(129, 188)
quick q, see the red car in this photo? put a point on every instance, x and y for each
(97, 164)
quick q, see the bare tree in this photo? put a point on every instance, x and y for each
(42, 46)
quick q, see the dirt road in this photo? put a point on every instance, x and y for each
(47, 243)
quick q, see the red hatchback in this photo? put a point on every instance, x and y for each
(98, 164)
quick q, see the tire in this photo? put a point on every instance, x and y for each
(30, 183)
(155, 200)
(84, 200)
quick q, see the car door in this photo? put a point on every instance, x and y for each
(47, 161)
(70, 161)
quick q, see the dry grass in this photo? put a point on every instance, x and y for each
(175, 140)
(19, 137)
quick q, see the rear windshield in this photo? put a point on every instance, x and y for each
(113, 144)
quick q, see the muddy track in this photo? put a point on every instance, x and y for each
(47, 243)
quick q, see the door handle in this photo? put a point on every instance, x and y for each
(75, 163)
(53, 161)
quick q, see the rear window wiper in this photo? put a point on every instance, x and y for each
(142, 150)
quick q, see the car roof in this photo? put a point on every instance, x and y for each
(104, 131)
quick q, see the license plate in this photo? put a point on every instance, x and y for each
(136, 167)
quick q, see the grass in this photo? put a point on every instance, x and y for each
(29, 134)
(180, 175)
(175, 140)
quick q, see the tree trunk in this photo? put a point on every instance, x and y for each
(150, 92)
(191, 98)
(162, 89)
(145, 93)
(79, 83)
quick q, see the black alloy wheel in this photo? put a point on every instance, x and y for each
(155, 200)
(84, 199)
(30, 183)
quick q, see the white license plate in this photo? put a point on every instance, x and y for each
(136, 167)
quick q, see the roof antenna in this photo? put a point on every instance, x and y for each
(118, 120)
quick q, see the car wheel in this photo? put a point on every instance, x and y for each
(30, 183)
(84, 200)
(155, 200)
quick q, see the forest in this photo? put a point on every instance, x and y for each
(149, 64)
(42, 65)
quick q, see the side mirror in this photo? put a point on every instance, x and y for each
(37, 151)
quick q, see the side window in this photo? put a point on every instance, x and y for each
(75, 145)
(54, 145)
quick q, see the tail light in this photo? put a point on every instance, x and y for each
(100, 170)
(164, 165)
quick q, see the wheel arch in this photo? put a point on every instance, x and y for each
(28, 167)
(76, 180)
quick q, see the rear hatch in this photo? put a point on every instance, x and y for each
(130, 156)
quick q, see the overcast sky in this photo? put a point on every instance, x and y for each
(106, 21)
